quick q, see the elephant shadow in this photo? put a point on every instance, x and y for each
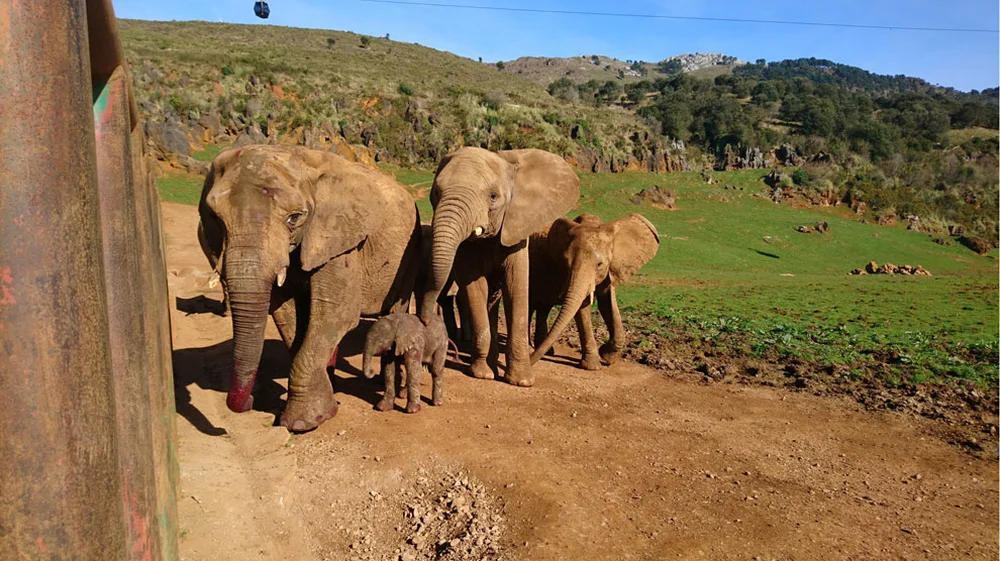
(209, 367)
(200, 304)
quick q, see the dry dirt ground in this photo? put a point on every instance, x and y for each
(624, 463)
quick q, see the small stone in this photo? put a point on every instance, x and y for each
(341, 432)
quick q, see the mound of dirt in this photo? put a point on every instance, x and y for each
(451, 517)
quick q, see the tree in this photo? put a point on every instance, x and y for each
(761, 62)
(365, 40)
(595, 59)
(500, 65)
(330, 42)
(669, 67)
(480, 59)
(610, 92)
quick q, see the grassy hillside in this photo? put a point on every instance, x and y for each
(406, 102)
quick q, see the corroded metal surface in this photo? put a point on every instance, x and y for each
(88, 466)
(60, 481)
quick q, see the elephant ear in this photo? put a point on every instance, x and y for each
(544, 188)
(211, 231)
(346, 207)
(635, 243)
(559, 236)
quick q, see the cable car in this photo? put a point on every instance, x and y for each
(261, 9)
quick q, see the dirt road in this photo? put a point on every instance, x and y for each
(618, 464)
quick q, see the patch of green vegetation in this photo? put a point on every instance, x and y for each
(180, 187)
(732, 270)
(208, 153)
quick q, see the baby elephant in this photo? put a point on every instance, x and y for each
(412, 344)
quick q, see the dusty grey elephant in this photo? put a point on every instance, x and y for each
(571, 263)
(486, 204)
(314, 240)
(403, 340)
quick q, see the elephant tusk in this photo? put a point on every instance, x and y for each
(281, 276)
(478, 231)
(591, 296)
(213, 281)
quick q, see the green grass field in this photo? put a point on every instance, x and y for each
(733, 272)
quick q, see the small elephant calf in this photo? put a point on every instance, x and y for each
(412, 344)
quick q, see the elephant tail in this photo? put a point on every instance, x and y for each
(452, 346)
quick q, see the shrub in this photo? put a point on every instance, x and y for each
(365, 41)
(330, 42)
(800, 177)
(500, 65)
(227, 70)
(405, 89)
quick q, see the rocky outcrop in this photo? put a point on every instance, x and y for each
(873, 268)
(657, 197)
(696, 61)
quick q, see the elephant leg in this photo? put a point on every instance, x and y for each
(515, 293)
(493, 358)
(389, 377)
(400, 379)
(542, 327)
(414, 368)
(448, 313)
(464, 318)
(589, 359)
(284, 313)
(607, 304)
(335, 308)
(478, 296)
(436, 368)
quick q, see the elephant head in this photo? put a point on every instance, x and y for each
(482, 194)
(260, 204)
(597, 257)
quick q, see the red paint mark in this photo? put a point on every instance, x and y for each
(239, 398)
(40, 542)
(138, 524)
(6, 288)
(333, 358)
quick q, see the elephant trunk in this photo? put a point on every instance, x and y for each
(453, 223)
(249, 301)
(580, 289)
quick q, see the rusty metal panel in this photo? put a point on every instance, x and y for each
(130, 362)
(156, 318)
(60, 482)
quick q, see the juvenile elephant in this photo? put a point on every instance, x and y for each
(314, 240)
(486, 204)
(571, 262)
(412, 345)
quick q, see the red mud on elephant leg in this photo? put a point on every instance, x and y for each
(239, 399)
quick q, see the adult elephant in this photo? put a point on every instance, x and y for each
(486, 204)
(315, 240)
(571, 263)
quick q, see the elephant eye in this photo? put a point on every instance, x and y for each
(294, 219)
(493, 195)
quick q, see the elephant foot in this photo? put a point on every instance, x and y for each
(610, 353)
(519, 375)
(481, 369)
(387, 403)
(305, 414)
(590, 362)
(413, 407)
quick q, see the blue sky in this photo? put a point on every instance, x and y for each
(961, 60)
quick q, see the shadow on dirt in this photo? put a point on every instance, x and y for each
(209, 368)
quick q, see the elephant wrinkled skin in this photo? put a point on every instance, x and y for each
(571, 263)
(486, 204)
(314, 240)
